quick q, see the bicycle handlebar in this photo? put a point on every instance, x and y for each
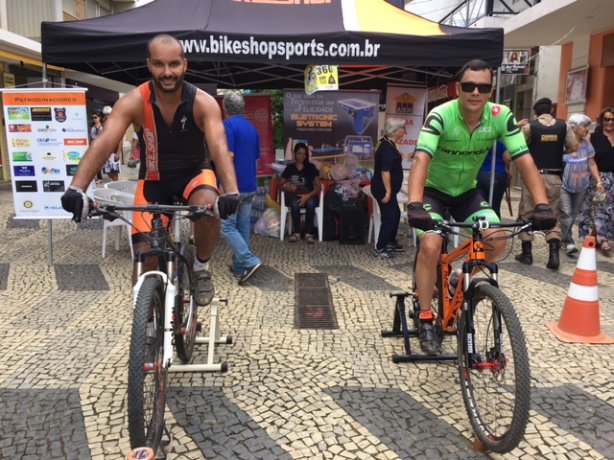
(481, 224)
(191, 211)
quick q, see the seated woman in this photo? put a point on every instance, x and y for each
(301, 186)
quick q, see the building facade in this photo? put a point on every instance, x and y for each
(20, 52)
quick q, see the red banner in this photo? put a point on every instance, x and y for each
(258, 110)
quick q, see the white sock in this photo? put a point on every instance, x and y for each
(198, 265)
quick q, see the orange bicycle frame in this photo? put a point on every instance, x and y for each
(472, 251)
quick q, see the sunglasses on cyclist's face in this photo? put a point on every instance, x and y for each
(469, 87)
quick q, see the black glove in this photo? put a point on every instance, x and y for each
(543, 217)
(77, 203)
(228, 204)
(418, 217)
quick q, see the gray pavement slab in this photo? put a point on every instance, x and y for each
(290, 393)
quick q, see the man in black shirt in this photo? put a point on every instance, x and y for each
(548, 139)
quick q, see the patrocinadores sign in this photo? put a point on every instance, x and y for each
(46, 132)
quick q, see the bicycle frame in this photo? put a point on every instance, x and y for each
(449, 309)
(165, 245)
(472, 251)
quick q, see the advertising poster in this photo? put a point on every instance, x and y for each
(339, 127)
(258, 110)
(516, 62)
(47, 135)
(408, 103)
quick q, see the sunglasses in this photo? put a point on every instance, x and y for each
(608, 120)
(469, 87)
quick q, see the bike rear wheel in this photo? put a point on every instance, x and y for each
(186, 310)
(495, 376)
(147, 379)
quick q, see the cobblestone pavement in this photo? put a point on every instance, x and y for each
(290, 393)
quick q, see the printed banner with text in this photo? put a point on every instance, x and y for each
(47, 135)
(408, 103)
(339, 127)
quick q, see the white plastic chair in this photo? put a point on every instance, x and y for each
(375, 219)
(285, 211)
(124, 186)
(108, 196)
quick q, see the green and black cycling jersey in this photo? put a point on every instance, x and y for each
(456, 153)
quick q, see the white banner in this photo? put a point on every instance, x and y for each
(408, 103)
(47, 135)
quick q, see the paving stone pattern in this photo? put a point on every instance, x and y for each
(290, 393)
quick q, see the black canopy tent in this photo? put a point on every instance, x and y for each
(262, 44)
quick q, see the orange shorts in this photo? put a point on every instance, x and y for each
(142, 220)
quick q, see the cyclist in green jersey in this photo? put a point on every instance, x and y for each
(452, 145)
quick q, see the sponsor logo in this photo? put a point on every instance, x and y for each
(261, 115)
(20, 128)
(22, 156)
(28, 204)
(183, 121)
(26, 186)
(19, 142)
(41, 113)
(73, 130)
(49, 156)
(52, 207)
(53, 186)
(60, 114)
(46, 170)
(485, 129)
(73, 156)
(23, 171)
(47, 141)
(71, 170)
(496, 110)
(77, 141)
(18, 113)
(46, 129)
(77, 114)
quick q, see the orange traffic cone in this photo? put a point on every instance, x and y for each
(579, 321)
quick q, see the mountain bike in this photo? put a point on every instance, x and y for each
(165, 314)
(491, 353)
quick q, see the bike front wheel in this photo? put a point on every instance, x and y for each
(494, 369)
(147, 378)
(186, 310)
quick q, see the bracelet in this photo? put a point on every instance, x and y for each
(75, 188)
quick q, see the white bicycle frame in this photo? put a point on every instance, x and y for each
(169, 302)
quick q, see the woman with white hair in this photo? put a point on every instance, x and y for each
(579, 167)
(386, 183)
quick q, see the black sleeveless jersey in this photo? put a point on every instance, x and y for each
(181, 146)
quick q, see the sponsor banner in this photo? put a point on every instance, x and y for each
(409, 104)
(339, 127)
(516, 62)
(321, 78)
(46, 132)
(258, 110)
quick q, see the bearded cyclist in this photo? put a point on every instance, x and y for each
(455, 139)
(176, 124)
